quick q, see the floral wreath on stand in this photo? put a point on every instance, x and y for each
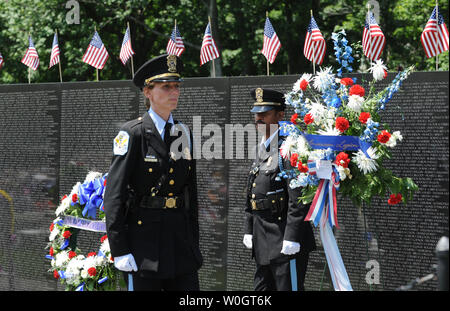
(336, 142)
(82, 209)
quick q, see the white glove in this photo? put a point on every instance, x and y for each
(248, 241)
(290, 248)
(125, 263)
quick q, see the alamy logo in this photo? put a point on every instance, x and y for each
(373, 275)
(73, 16)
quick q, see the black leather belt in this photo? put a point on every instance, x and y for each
(273, 202)
(159, 202)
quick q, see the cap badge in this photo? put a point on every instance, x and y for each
(259, 95)
(172, 63)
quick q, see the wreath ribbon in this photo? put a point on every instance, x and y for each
(323, 210)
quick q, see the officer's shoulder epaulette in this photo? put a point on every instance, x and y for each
(130, 125)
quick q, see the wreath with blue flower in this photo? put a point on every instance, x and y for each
(82, 209)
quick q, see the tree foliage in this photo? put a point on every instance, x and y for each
(237, 29)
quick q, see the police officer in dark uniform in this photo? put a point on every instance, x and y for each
(151, 190)
(275, 229)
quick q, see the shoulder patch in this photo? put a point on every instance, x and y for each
(121, 143)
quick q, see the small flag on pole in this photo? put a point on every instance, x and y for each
(209, 49)
(435, 35)
(315, 46)
(54, 57)
(126, 51)
(373, 38)
(96, 54)
(31, 58)
(271, 44)
(175, 45)
(1, 60)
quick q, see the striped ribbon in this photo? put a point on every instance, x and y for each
(325, 197)
(325, 200)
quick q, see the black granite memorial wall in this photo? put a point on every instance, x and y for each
(52, 134)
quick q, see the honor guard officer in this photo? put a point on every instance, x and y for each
(275, 229)
(151, 192)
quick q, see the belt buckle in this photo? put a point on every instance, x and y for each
(254, 205)
(170, 203)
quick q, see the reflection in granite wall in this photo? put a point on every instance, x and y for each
(53, 134)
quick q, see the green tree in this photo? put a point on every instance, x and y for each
(237, 27)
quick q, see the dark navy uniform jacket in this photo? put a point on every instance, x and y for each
(163, 241)
(284, 220)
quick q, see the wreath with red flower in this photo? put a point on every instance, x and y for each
(82, 209)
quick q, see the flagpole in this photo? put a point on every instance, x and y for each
(96, 69)
(132, 65)
(59, 63)
(370, 37)
(29, 70)
(437, 35)
(314, 51)
(267, 16)
(213, 64)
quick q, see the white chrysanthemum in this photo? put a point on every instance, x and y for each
(317, 111)
(288, 144)
(306, 76)
(330, 129)
(378, 70)
(302, 147)
(365, 164)
(105, 248)
(91, 176)
(65, 204)
(73, 270)
(355, 103)
(323, 79)
(61, 258)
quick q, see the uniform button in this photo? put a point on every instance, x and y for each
(189, 167)
(139, 222)
(253, 196)
(254, 185)
(279, 218)
(281, 199)
(171, 170)
(150, 170)
(170, 194)
(273, 201)
(171, 182)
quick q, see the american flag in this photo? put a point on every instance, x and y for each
(175, 45)
(54, 57)
(96, 54)
(126, 51)
(271, 44)
(31, 58)
(209, 50)
(1, 60)
(435, 36)
(315, 46)
(373, 38)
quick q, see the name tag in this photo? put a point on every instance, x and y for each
(150, 158)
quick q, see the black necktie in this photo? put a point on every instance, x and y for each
(167, 139)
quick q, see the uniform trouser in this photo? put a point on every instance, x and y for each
(277, 276)
(184, 282)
